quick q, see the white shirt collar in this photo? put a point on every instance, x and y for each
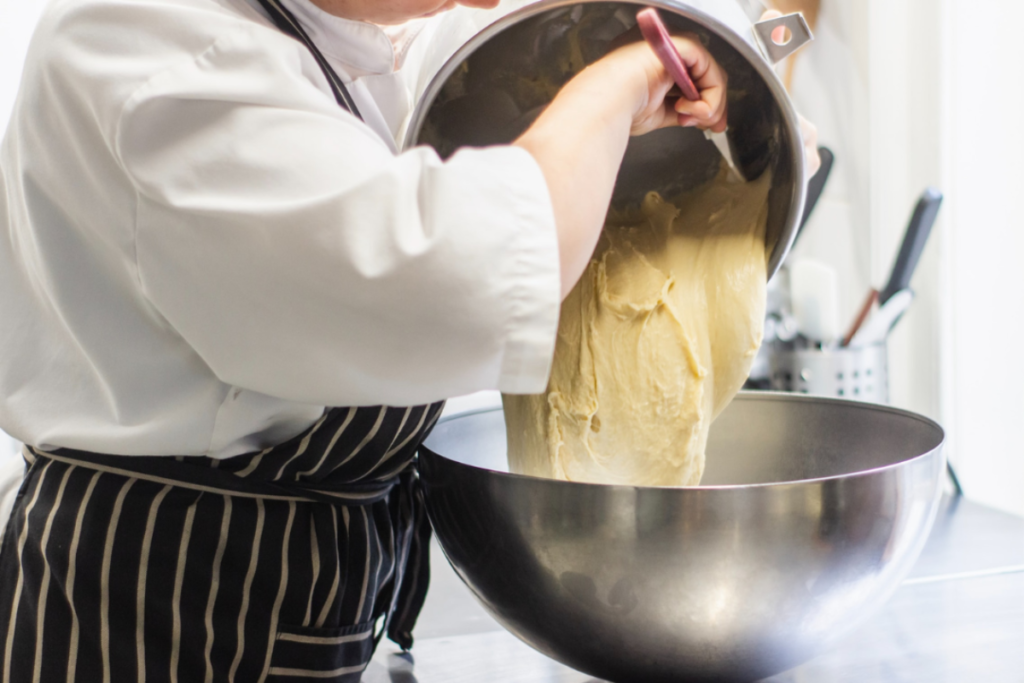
(365, 49)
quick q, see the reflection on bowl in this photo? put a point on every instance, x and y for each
(810, 514)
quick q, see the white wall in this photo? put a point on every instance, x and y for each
(886, 80)
(986, 248)
(908, 153)
(945, 111)
(19, 18)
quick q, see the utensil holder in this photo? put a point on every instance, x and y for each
(859, 374)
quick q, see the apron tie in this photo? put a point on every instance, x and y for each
(414, 559)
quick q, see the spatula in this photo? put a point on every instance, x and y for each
(657, 36)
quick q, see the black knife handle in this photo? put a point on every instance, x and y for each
(914, 241)
(815, 187)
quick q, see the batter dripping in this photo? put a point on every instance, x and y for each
(653, 343)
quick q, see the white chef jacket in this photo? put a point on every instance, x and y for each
(201, 250)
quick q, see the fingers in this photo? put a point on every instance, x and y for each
(716, 126)
(813, 159)
(712, 84)
(666, 117)
(809, 132)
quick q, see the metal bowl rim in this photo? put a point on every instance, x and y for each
(742, 396)
(756, 60)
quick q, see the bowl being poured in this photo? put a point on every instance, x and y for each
(494, 86)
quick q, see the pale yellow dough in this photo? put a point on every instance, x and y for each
(653, 343)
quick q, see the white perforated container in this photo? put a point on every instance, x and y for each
(859, 374)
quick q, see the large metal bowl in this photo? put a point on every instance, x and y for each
(810, 514)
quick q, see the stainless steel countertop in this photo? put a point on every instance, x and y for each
(959, 617)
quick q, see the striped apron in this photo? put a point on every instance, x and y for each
(284, 565)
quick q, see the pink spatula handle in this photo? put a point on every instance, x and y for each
(658, 38)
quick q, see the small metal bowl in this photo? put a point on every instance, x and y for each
(810, 514)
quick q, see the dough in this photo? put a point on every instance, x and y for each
(653, 343)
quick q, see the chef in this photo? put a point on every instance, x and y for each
(232, 311)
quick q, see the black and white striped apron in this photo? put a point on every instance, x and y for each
(283, 565)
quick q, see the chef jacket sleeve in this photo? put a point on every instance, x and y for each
(302, 259)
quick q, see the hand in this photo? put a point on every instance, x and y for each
(634, 74)
(811, 157)
(579, 139)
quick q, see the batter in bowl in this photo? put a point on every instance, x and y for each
(653, 343)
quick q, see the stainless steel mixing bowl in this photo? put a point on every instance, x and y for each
(499, 81)
(810, 514)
